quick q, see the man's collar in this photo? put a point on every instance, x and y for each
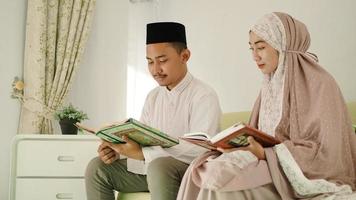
(181, 85)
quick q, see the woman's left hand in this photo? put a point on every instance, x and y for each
(254, 147)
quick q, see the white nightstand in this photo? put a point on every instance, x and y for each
(49, 167)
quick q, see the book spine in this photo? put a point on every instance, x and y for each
(110, 138)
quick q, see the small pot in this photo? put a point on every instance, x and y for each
(68, 127)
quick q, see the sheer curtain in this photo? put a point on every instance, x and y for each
(56, 34)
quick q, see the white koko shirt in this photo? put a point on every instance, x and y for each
(191, 106)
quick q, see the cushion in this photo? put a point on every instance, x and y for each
(134, 196)
(230, 118)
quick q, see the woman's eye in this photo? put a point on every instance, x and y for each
(162, 61)
(261, 48)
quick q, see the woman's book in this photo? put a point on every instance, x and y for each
(232, 137)
(134, 130)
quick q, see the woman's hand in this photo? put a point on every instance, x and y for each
(254, 147)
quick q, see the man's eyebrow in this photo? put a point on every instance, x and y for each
(160, 56)
(259, 41)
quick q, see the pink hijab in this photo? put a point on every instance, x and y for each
(314, 122)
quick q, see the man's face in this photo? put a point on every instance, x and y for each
(167, 66)
(265, 56)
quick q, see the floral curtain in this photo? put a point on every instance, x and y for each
(56, 34)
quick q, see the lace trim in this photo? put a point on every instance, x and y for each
(271, 29)
(304, 186)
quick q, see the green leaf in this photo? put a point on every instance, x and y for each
(70, 112)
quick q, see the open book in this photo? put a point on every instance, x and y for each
(134, 130)
(232, 137)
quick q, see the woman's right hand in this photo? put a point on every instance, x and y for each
(254, 147)
(107, 154)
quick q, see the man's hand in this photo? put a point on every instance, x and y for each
(254, 147)
(106, 153)
(130, 149)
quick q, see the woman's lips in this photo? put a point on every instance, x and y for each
(261, 66)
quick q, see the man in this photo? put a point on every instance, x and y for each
(181, 104)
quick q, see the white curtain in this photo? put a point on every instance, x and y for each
(56, 33)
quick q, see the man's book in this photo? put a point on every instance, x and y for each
(134, 130)
(232, 137)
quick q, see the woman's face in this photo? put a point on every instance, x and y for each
(265, 56)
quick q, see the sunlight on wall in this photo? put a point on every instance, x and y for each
(139, 83)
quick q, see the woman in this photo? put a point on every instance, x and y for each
(301, 105)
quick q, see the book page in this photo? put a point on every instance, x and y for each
(81, 126)
(112, 124)
(227, 132)
(197, 136)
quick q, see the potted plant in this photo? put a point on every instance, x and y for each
(68, 116)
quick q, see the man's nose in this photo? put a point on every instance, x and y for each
(156, 68)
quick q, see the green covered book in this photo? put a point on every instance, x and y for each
(134, 130)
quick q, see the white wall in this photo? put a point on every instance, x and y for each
(217, 34)
(218, 38)
(100, 85)
(12, 22)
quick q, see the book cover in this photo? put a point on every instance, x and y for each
(136, 131)
(232, 137)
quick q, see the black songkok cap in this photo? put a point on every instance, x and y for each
(165, 32)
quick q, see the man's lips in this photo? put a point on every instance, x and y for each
(159, 77)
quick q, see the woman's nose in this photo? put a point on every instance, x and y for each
(255, 56)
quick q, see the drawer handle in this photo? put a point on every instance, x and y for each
(64, 196)
(65, 158)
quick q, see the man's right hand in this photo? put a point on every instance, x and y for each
(107, 154)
